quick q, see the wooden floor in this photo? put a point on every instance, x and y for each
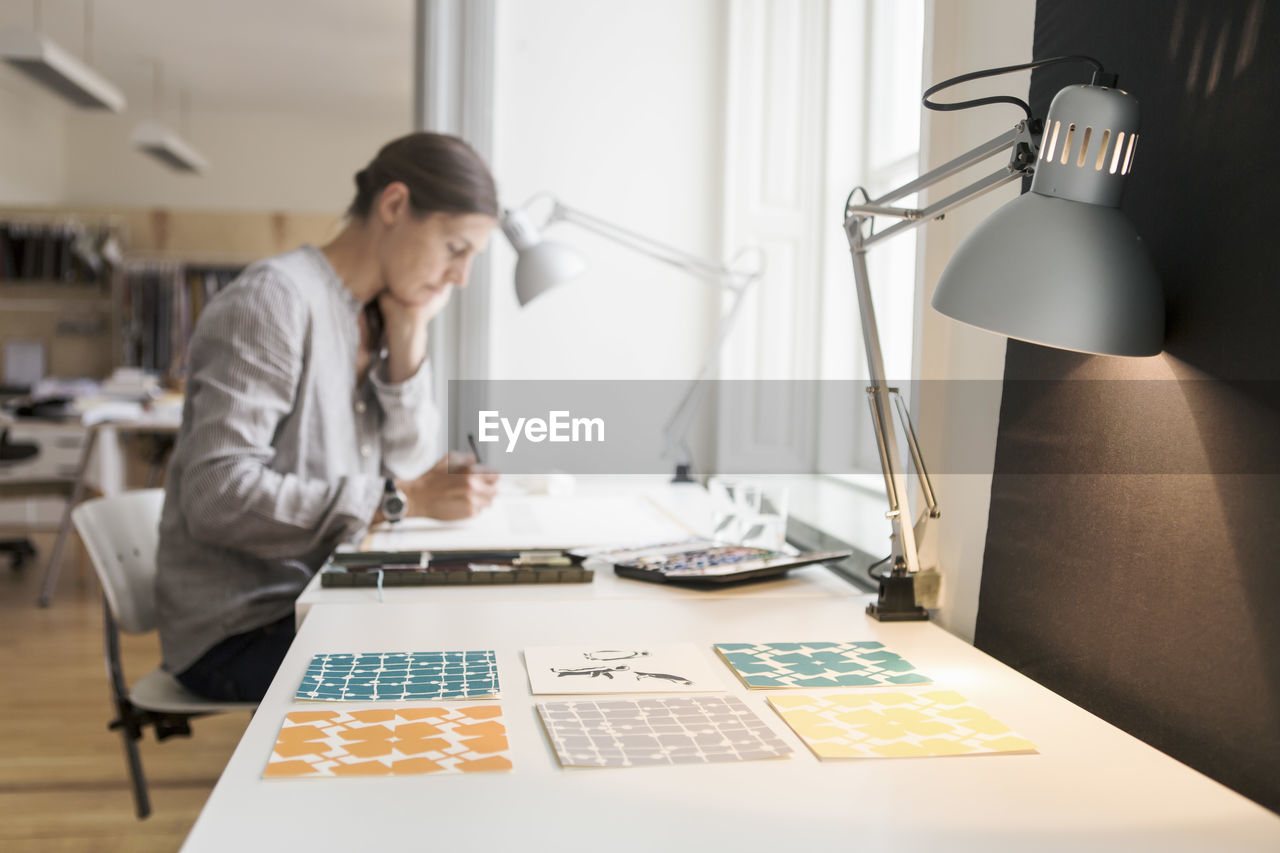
(64, 783)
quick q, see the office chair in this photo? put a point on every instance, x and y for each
(121, 534)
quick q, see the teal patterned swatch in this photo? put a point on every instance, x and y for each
(400, 676)
(860, 664)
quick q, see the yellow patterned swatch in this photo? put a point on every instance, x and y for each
(895, 725)
(391, 742)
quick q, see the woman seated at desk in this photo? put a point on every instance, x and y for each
(308, 404)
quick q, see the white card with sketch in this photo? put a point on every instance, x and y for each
(668, 668)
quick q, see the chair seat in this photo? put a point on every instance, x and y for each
(160, 691)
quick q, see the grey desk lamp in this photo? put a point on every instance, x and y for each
(1059, 266)
(542, 264)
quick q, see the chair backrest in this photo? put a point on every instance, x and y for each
(121, 534)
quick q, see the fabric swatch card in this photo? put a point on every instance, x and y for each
(391, 742)
(670, 668)
(864, 664)
(895, 725)
(400, 677)
(666, 730)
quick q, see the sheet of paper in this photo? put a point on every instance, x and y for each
(539, 521)
(895, 725)
(820, 664)
(400, 676)
(676, 730)
(656, 668)
(24, 362)
(391, 742)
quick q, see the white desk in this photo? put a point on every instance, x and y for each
(1091, 787)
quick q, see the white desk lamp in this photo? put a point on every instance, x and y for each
(542, 264)
(1059, 266)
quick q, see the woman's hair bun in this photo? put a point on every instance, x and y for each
(442, 173)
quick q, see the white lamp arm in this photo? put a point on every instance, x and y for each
(677, 426)
(692, 264)
(727, 276)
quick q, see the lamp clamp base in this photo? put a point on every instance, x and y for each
(897, 599)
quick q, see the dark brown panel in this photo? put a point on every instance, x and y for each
(1150, 598)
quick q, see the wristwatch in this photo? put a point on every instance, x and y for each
(394, 502)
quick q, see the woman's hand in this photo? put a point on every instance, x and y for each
(405, 328)
(455, 487)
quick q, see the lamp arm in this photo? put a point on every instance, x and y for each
(734, 280)
(1021, 139)
(976, 154)
(669, 255)
(911, 218)
(926, 485)
(677, 426)
(905, 557)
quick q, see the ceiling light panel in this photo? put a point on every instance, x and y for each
(48, 64)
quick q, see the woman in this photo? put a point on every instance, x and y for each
(308, 404)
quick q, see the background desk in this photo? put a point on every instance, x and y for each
(72, 456)
(165, 424)
(1091, 787)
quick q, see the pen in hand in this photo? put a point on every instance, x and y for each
(475, 451)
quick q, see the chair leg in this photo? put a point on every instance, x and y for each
(129, 720)
(141, 800)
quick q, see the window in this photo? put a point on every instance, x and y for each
(823, 96)
(873, 138)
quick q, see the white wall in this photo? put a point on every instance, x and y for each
(616, 108)
(958, 419)
(263, 161)
(33, 140)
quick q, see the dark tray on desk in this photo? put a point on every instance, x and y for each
(702, 564)
(335, 577)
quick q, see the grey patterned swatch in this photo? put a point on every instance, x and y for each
(678, 730)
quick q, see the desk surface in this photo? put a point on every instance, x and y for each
(1091, 785)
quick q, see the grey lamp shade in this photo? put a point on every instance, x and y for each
(1059, 273)
(540, 264)
(1061, 265)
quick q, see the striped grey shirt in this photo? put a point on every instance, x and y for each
(281, 455)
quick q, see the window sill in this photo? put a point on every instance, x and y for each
(831, 511)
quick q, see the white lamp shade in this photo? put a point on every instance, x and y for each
(540, 264)
(543, 266)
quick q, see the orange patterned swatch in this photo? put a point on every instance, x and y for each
(391, 742)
